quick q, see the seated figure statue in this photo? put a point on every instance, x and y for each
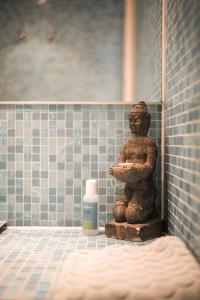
(135, 167)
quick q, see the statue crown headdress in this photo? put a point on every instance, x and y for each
(141, 107)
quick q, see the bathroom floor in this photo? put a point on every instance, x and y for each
(30, 258)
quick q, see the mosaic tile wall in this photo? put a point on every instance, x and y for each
(48, 151)
(84, 62)
(148, 49)
(182, 159)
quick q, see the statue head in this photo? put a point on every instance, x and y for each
(139, 119)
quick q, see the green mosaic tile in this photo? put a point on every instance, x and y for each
(73, 147)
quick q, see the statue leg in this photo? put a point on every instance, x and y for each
(120, 204)
(141, 207)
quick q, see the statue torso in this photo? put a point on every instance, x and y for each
(136, 149)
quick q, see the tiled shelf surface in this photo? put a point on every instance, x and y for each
(31, 257)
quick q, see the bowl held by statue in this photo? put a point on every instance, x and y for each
(124, 172)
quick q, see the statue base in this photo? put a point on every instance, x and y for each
(135, 232)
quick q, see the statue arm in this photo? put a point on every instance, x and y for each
(146, 169)
(121, 159)
(122, 154)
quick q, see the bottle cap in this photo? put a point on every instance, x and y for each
(91, 186)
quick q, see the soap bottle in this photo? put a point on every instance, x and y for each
(90, 208)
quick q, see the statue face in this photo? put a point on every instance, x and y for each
(139, 124)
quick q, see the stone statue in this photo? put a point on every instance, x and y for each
(135, 167)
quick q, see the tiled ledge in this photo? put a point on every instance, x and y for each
(51, 228)
(65, 102)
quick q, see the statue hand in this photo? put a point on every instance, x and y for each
(135, 166)
(110, 170)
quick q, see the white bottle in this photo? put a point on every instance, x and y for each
(90, 209)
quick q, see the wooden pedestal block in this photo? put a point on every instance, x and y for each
(135, 232)
(3, 226)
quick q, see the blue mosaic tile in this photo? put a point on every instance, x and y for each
(182, 130)
(54, 168)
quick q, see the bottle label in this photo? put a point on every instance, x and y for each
(89, 215)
